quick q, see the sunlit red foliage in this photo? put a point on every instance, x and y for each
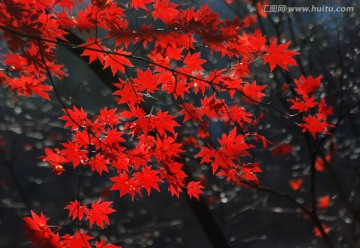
(136, 147)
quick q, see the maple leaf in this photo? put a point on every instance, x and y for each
(193, 62)
(302, 106)
(94, 50)
(238, 114)
(74, 118)
(295, 184)
(174, 53)
(28, 85)
(172, 85)
(117, 61)
(233, 144)
(78, 240)
(307, 85)
(278, 55)
(256, 41)
(140, 155)
(53, 158)
(314, 125)
(108, 117)
(128, 93)
(164, 10)
(102, 244)
(163, 122)
(324, 111)
(175, 176)
(113, 136)
(248, 173)
(37, 223)
(39, 232)
(74, 154)
(136, 4)
(147, 81)
(253, 92)
(83, 22)
(167, 148)
(125, 185)
(66, 4)
(76, 210)
(99, 212)
(148, 179)
(194, 189)
(98, 163)
(190, 112)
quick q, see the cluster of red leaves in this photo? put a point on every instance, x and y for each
(41, 234)
(98, 213)
(134, 166)
(225, 161)
(26, 23)
(314, 113)
(33, 30)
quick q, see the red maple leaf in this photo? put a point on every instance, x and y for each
(164, 10)
(74, 154)
(148, 179)
(39, 232)
(314, 125)
(233, 144)
(256, 41)
(78, 240)
(108, 117)
(74, 118)
(253, 92)
(278, 55)
(248, 173)
(193, 62)
(98, 163)
(136, 4)
(146, 81)
(324, 111)
(126, 185)
(163, 122)
(128, 93)
(99, 212)
(76, 210)
(67, 4)
(190, 112)
(117, 61)
(302, 106)
(94, 50)
(194, 189)
(53, 158)
(102, 244)
(307, 85)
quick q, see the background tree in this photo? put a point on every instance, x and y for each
(190, 89)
